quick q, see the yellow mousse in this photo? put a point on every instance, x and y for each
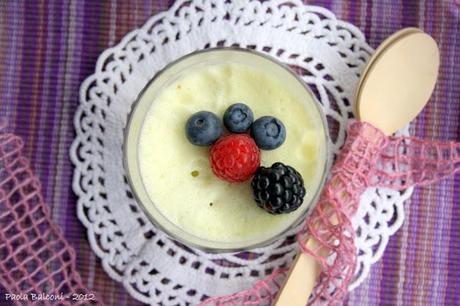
(177, 175)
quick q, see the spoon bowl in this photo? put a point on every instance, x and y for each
(399, 81)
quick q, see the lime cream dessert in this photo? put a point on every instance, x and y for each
(179, 189)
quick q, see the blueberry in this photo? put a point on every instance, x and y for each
(268, 132)
(203, 128)
(238, 118)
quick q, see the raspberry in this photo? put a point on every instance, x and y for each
(235, 157)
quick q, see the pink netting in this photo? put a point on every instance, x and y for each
(262, 293)
(409, 161)
(367, 159)
(330, 224)
(34, 256)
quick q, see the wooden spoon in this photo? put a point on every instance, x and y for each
(382, 47)
(399, 82)
(394, 88)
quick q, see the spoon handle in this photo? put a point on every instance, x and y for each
(300, 281)
(329, 229)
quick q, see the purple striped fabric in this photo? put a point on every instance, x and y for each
(47, 48)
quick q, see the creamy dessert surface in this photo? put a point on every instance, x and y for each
(177, 175)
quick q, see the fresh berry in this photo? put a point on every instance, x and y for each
(203, 128)
(238, 118)
(235, 157)
(268, 132)
(278, 189)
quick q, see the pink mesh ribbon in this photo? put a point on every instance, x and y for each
(36, 262)
(409, 161)
(368, 158)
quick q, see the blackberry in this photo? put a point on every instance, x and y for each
(278, 189)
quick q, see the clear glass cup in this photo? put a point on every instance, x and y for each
(168, 75)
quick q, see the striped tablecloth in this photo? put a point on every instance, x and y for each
(47, 48)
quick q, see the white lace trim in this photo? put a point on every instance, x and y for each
(328, 53)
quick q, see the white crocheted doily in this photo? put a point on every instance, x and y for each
(328, 53)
